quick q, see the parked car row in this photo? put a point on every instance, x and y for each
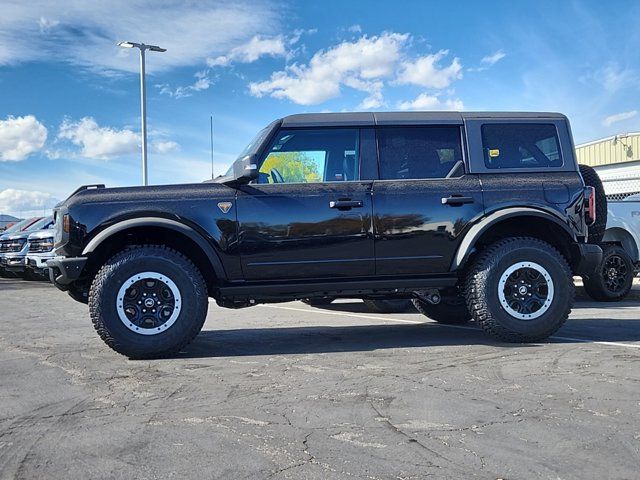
(25, 248)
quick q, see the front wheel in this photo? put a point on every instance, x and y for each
(148, 302)
(613, 279)
(520, 290)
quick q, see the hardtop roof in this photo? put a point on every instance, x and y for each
(403, 118)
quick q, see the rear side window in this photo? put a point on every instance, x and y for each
(311, 156)
(521, 145)
(419, 152)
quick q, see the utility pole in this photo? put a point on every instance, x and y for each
(143, 99)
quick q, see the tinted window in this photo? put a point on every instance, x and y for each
(311, 156)
(521, 145)
(418, 152)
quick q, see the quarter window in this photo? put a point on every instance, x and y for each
(521, 145)
(419, 152)
(311, 156)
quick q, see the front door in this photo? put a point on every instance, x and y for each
(308, 215)
(423, 201)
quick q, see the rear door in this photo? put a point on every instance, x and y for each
(309, 215)
(424, 199)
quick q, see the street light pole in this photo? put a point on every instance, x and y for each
(143, 99)
(143, 115)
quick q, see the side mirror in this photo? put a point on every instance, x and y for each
(245, 170)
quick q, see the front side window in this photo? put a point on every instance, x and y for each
(418, 152)
(311, 156)
(521, 145)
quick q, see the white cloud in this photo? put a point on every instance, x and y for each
(493, 58)
(16, 201)
(99, 142)
(164, 146)
(202, 82)
(355, 28)
(619, 117)
(355, 64)
(191, 31)
(614, 78)
(426, 72)
(425, 101)
(20, 137)
(251, 51)
(104, 143)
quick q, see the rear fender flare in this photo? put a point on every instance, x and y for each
(476, 231)
(626, 239)
(166, 223)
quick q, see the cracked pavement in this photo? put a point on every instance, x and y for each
(292, 391)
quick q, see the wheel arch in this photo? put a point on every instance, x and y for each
(156, 230)
(624, 239)
(516, 221)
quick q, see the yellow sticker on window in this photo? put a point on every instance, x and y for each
(494, 152)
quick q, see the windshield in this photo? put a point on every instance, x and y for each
(17, 227)
(40, 224)
(253, 145)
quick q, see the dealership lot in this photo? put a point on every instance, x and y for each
(292, 391)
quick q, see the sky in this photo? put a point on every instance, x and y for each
(69, 96)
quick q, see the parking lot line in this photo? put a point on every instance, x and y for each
(460, 327)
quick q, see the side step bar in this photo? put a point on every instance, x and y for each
(346, 288)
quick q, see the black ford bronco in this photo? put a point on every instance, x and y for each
(481, 216)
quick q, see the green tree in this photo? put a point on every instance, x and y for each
(295, 167)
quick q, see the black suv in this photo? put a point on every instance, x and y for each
(473, 215)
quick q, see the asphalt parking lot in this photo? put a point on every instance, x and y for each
(292, 391)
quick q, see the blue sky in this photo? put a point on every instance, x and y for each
(69, 97)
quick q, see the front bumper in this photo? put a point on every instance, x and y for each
(590, 257)
(63, 271)
(15, 263)
(38, 263)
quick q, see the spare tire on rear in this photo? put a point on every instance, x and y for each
(591, 179)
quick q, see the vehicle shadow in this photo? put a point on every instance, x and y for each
(361, 338)
(328, 339)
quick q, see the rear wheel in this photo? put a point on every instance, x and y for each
(148, 302)
(591, 179)
(451, 310)
(613, 278)
(388, 305)
(520, 290)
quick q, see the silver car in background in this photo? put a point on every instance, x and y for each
(40, 249)
(14, 247)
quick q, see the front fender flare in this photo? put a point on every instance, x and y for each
(179, 227)
(475, 232)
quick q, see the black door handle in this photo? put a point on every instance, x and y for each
(456, 200)
(345, 204)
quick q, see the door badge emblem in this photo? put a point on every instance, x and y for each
(225, 206)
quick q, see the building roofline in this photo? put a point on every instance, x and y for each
(611, 137)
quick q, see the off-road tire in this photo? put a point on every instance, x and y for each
(591, 179)
(144, 258)
(388, 305)
(596, 284)
(482, 285)
(318, 302)
(452, 309)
